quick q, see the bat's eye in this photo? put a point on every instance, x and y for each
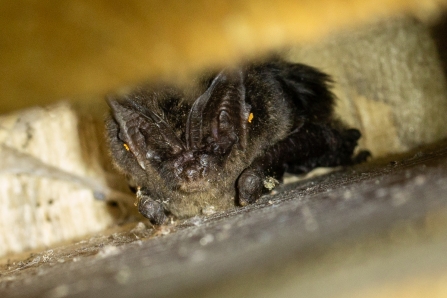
(250, 117)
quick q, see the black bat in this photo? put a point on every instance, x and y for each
(217, 143)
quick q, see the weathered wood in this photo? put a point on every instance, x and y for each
(389, 82)
(392, 88)
(53, 183)
(368, 231)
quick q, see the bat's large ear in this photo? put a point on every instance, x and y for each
(218, 118)
(145, 134)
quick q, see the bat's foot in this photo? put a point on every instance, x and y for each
(350, 138)
(362, 156)
(349, 142)
(249, 185)
(152, 210)
(351, 135)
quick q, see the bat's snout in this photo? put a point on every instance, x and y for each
(193, 173)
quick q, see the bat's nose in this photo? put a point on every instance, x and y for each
(192, 174)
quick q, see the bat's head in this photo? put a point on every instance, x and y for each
(191, 160)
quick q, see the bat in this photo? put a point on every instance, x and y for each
(218, 142)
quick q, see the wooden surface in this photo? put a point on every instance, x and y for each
(53, 177)
(375, 230)
(389, 82)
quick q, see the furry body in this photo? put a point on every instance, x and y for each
(215, 143)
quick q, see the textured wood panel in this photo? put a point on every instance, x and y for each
(53, 182)
(375, 230)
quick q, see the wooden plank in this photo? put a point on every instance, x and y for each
(367, 230)
(54, 185)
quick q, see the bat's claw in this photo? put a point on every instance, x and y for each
(152, 210)
(249, 187)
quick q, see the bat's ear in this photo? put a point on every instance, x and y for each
(218, 118)
(146, 135)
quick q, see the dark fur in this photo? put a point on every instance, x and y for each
(191, 149)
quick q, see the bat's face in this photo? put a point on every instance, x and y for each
(189, 161)
(191, 171)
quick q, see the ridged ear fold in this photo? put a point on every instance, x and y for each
(218, 118)
(145, 134)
